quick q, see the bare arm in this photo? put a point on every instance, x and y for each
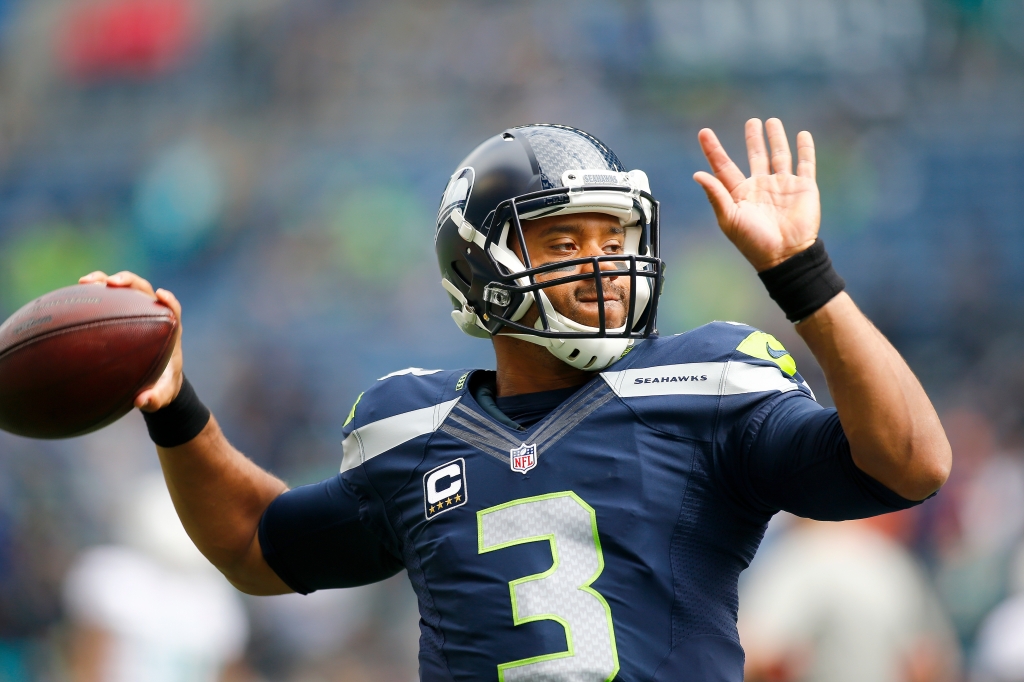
(219, 493)
(894, 433)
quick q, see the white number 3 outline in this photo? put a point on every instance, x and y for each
(562, 593)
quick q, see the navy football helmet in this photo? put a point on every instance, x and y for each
(531, 172)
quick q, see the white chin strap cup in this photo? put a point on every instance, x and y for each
(586, 354)
(591, 355)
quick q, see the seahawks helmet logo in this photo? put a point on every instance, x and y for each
(456, 195)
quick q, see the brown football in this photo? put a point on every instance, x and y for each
(73, 361)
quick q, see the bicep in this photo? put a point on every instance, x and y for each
(798, 460)
(313, 538)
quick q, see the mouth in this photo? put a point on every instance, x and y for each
(580, 302)
(588, 308)
(612, 294)
(592, 304)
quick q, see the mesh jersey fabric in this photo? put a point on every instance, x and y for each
(673, 460)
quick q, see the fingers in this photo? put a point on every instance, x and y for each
(169, 300)
(93, 278)
(722, 166)
(167, 386)
(132, 281)
(757, 152)
(782, 158)
(165, 390)
(807, 165)
(122, 279)
(721, 200)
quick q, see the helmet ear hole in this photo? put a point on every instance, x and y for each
(458, 272)
(575, 354)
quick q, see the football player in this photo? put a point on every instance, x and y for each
(584, 512)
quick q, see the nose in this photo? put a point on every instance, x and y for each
(610, 265)
(593, 250)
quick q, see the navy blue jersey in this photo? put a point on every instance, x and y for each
(604, 541)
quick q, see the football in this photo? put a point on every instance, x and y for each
(72, 361)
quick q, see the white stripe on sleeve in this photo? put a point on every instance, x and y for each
(378, 437)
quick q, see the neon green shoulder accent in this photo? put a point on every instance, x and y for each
(352, 412)
(766, 347)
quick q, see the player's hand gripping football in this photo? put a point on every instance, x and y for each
(773, 214)
(167, 386)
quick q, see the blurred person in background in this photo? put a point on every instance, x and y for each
(368, 632)
(979, 520)
(999, 648)
(844, 602)
(151, 608)
(43, 515)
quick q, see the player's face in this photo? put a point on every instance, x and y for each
(579, 235)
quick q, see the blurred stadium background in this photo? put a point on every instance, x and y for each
(277, 164)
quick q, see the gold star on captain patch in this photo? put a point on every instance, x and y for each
(458, 498)
(449, 501)
(431, 510)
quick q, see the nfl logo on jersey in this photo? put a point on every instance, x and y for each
(523, 458)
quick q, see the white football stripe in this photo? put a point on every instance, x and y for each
(378, 437)
(698, 378)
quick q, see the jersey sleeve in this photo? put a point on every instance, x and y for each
(794, 456)
(321, 536)
(339, 532)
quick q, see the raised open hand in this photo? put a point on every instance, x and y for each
(773, 214)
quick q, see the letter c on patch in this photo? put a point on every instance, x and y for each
(453, 472)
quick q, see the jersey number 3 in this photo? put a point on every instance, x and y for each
(562, 593)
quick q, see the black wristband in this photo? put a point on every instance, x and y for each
(179, 422)
(803, 283)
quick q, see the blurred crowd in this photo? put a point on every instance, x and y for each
(277, 164)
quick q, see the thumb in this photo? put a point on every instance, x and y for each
(144, 401)
(720, 199)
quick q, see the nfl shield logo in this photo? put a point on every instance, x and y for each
(523, 458)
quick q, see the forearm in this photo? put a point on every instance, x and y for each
(220, 496)
(894, 432)
(773, 218)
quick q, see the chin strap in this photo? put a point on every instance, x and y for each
(592, 355)
(585, 354)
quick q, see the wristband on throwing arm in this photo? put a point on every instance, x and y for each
(179, 422)
(803, 283)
